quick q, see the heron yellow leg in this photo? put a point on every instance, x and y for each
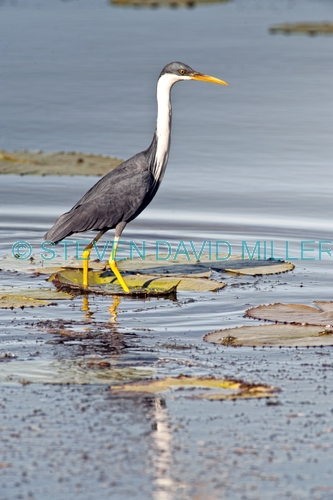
(113, 265)
(85, 257)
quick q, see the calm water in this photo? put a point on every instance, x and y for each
(249, 162)
(81, 76)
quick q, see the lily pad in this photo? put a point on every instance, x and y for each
(39, 163)
(35, 293)
(107, 283)
(183, 266)
(17, 302)
(304, 326)
(323, 28)
(298, 314)
(226, 389)
(150, 265)
(40, 266)
(272, 336)
(71, 280)
(16, 298)
(260, 268)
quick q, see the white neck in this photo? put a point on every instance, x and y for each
(163, 125)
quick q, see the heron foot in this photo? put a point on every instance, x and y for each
(119, 277)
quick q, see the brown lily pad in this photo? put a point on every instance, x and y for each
(39, 163)
(321, 28)
(214, 389)
(272, 335)
(298, 314)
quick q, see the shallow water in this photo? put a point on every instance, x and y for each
(249, 162)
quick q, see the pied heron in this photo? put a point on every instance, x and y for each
(122, 194)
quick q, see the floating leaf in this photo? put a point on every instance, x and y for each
(199, 285)
(260, 268)
(17, 302)
(227, 389)
(139, 285)
(169, 264)
(37, 265)
(15, 298)
(35, 293)
(182, 266)
(272, 336)
(304, 326)
(79, 371)
(175, 271)
(295, 313)
(106, 283)
(323, 28)
(39, 163)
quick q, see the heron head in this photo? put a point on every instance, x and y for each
(182, 71)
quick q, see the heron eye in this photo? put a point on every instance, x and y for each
(182, 72)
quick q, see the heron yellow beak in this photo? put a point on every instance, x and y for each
(207, 78)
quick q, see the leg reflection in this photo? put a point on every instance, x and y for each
(85, 307)
(113, 309)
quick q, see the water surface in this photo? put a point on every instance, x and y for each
(249, 162)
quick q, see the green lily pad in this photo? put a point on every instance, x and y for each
(214, 389)
(70, 279)
(37, 265)
(17, 302)
(39, 163)
(35, 293)
(272, 336)
(16, 298)
(107, 283)
(181, 266)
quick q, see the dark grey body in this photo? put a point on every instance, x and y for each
(122, 194)
(117, 198)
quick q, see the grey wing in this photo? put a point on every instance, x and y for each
(117, 197)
